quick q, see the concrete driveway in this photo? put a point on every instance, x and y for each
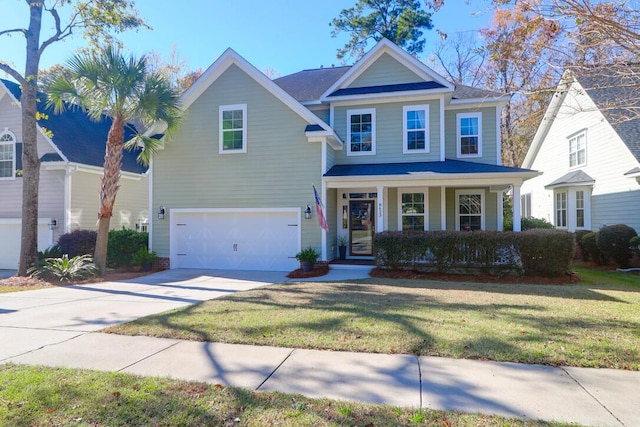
(32, 319)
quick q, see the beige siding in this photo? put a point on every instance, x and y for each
(277, 171)
(385, 71)
(434, 209)
(132, 202)
(393, 210)
(389, 142)
(321, 112)
(489, 137)
(615, 198)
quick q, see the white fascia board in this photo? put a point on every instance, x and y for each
(79, 167)
(390, 95)
(414, 96)
(19, 105)
(493, 100)
(231, 57)
(545, 124)
(325, 136)
(431, 179)
(396, 52)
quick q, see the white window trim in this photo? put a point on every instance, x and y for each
(13, 144)
(460, 116)
(575, 136)
(483, 212)
(350, 113)
(566, 209)
(405, 140)
(222, 109)
(423, 190)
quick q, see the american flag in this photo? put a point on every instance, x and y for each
(322, 222)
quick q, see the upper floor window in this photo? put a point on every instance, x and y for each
(361, 132)
(469, 134)
(7, 155)
(578, 149)
(470, 213)
(233, 129)
(415, 129)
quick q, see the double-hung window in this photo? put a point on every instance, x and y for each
(470, 213)
(415, 129)
(361, 132)
(7, 155)
(580, 209)
(578, 149)
(525, 205)
(413, 212)
(469, 134)
(233, 129)
(561, 209)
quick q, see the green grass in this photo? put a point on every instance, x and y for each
(594, 324)
(37, 396)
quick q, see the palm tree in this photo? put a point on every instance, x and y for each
(108, 83)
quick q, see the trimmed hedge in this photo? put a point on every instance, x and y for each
(590, 248)
(545, 252)
(579, 235)
(539, 251)
(78, 242)
(614, 242)
(123, 244)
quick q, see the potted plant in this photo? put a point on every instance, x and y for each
(143, 258)
(343, 241)
(307, 257)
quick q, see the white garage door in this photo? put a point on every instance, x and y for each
(235, 240)
(10, 234)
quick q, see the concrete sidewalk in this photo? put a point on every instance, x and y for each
(56, 327)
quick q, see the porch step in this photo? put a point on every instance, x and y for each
(345, 266)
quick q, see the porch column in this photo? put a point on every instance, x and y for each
(380, 208)
(516, 208)
(500, 207)
(443, 208)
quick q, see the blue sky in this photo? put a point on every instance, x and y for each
(284, 35)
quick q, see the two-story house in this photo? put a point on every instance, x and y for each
(71, 147)
(388, 143)
(588, 148)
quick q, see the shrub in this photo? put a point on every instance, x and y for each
(635, 245)
(123, 244)
(308, 254)
(78, 242)
(614, 242)
(53, 251)
(530, 223)
(64, 269)
(143, 257)
(590, 248)
(579, 235)
(545, 252)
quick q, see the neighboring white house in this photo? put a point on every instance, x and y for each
(589, 153)
(71, 148)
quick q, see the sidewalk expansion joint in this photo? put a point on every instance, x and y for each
(592, 396)
(419, 379)
(149, 356)
(45, 346)
(276, 369)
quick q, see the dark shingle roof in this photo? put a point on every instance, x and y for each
(387, 88)
(313, 128)
(468, 92)
(633, 171)
(79, 138)
(614, 90)
(447, 167)
(308, 85)
(572, 178)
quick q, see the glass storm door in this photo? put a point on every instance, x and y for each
(361, 227)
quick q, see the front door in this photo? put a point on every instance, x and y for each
(361, 227)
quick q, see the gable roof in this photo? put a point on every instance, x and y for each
(609, 91)
(76, 137)
(577, 177)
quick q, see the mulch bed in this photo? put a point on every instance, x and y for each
(26, 282)
(318, 270)
(476, 278)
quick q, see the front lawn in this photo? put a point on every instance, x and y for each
(36, 396)
(595, 323)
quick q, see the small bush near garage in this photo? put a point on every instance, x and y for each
(583, 254)
(614, 242)
(545, 252)
(65, 269)
(78, 242)
(122, 246)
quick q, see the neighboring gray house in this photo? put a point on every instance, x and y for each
(71, 149)
(388, 143)
(589, 153)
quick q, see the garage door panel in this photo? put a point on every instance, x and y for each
(236, 240)
(10, 237)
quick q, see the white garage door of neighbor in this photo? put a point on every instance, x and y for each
(10, 236)
(237, 240)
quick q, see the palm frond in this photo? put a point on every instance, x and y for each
(147, 145)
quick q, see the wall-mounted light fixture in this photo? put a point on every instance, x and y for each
(137, 227)
(308, 213)
(53, 224)
(161, 212)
